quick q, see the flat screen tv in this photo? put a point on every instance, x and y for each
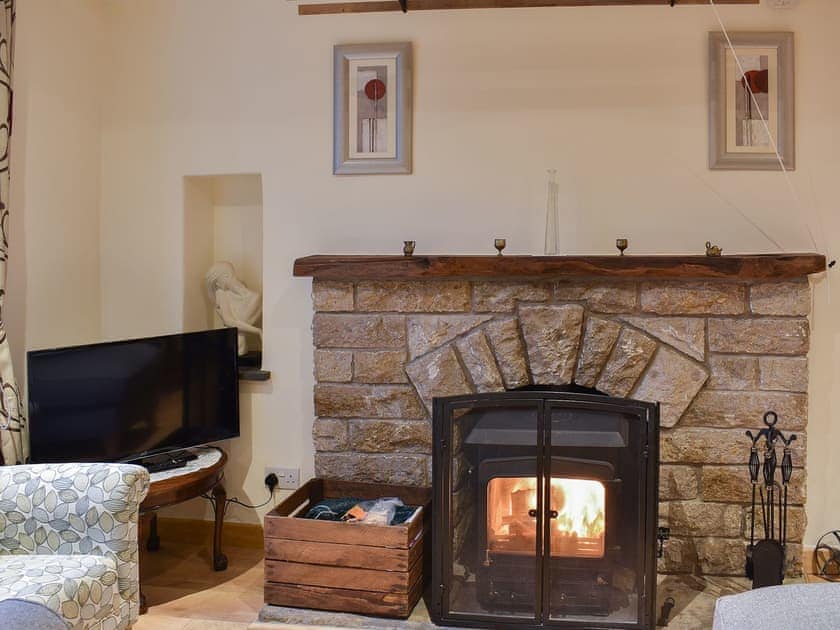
(122, 400)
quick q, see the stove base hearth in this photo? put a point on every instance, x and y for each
(695, 603)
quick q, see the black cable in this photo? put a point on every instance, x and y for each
(236, 500)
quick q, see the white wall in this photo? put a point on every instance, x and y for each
(615, 98)
(199, 250)
(55, 166)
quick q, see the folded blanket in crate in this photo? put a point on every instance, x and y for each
(336, 509)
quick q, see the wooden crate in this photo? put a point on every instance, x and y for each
(346, 567)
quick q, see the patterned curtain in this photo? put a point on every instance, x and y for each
(12, 421)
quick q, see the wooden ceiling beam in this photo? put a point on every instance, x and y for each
(380, 6)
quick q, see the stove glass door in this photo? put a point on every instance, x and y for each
(492, 567)
(593, 517)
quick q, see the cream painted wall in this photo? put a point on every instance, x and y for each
(55, 166)
(612, 97)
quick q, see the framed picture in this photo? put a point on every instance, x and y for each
(372, 109)
(751, 101)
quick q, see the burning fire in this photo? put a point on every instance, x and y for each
(577, 530)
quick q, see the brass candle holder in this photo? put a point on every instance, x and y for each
(500, 244)
(621, 244)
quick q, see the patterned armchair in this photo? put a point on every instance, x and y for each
(68, 540)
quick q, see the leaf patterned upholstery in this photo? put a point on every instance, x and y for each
(68, 540)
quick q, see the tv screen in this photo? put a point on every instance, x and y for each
(117, 401)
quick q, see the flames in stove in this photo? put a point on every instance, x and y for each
(576, 511)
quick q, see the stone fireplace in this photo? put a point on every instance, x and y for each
(715, 343)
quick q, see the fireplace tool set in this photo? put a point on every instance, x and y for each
(766, 558)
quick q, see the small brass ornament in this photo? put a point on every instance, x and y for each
(408, 248)
(713, 250)
(621, 244)
(500, 244)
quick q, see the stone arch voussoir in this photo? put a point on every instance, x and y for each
(656, 360)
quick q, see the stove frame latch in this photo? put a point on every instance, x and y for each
(662, 534)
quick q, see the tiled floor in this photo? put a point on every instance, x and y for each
(184, 593)
(694, 608)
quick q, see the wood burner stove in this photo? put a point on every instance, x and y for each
(545, 510)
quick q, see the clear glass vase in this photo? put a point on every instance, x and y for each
(552, 218)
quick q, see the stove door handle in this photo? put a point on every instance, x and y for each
(551, 513)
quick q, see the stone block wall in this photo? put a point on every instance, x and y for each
(716, 354)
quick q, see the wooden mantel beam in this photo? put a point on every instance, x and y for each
(380, 6)
(744, 267)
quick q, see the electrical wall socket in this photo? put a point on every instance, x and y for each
(289, 477)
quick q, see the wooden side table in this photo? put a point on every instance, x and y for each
(176, 488)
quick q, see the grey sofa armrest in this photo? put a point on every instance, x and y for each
(789, 607)
(17, 614)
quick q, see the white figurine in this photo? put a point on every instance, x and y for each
(236, 304)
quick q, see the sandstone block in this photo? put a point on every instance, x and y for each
(746, 409)
(367, 401)
(720, 556)
(693, 298)
(631, 354)
(463, 515)
(461, 467)
(358, 331)
(552, 337)
(478, 359)
(427, 332)
(332, 296)
(686, 334)
(598, 341)
(679, 555)
(330, 434)
(507, 345)
(391, 436)
(732, 372)
(693, 518)
(379, 366)
(463, 504)
(781, 298)
(600, 298)
(678, 482)
(429, 471)
(333, 365)
(731, 484)
(407, 470)
(793, 560)
(501, 297)
(759, 336)
(438, 374)
(689, 445)
(783, 373)
(672, 379)
(424, 296)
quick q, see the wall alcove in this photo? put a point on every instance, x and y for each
(223, 218)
